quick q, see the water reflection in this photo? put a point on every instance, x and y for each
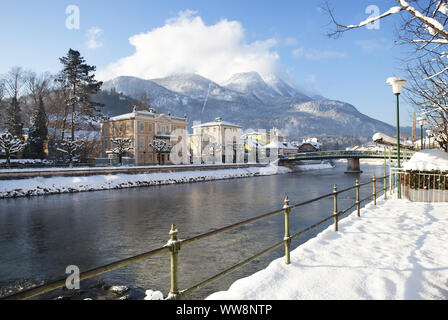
(40, 236)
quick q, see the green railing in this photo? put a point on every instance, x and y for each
(346, 153)
(174, 245)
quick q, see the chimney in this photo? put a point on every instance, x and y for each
(218, 119)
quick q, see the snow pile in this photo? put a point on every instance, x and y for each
(396, 250)
(153, 295)
(428, 160)
(42, 186)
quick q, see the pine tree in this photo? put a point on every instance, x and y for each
(76, 77)
(37, 134)
(14, 120)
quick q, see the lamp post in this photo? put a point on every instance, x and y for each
(421, 122)
(429, 133)
(397, 84)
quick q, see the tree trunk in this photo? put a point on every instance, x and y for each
(73, 114)
(8, 158)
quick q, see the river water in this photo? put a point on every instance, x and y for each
(40, 236)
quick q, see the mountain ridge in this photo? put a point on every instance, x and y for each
(249, 100)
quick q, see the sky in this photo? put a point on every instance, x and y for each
(215, 39)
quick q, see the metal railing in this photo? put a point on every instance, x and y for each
(420, 186)
(174, 245)
(347, 153)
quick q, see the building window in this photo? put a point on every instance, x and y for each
(142, 143)
(149, 127)
(128, 126)
(113, 128)
(142, 126)
(120, 127)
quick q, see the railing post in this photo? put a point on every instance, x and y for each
(335, 205)
(357, 199)
(287, 238)
(174, 246)
(374, 190)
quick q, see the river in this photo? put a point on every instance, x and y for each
(40, 236)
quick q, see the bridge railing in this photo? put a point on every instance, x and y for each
(347, 153)
(174, 244)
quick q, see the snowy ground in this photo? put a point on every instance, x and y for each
(42, 186)
(396, 250)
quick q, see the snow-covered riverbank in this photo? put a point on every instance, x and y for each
(396, 250)
(53, 185)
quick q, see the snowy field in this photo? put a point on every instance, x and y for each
(396, 250)
(53, 185)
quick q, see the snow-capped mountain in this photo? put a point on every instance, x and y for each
(251, 101)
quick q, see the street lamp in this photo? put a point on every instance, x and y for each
(421, 122)
(429, 133)
(397, 84)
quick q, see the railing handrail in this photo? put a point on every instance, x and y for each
(177, 243)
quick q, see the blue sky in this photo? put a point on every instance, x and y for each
(287, 35)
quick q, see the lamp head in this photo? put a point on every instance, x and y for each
(421, 121)
(396, 83)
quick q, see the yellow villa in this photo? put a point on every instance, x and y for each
(143, 127)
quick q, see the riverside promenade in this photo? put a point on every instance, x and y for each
(393, 251)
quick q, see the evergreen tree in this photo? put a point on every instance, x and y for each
(37, 133)
(14, 120)
(76, 77)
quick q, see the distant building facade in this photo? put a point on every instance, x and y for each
(217, 141)
(143, 127)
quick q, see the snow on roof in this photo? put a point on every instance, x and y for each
(381, 137)
(216, 123)
(279, 145)
(428, 160)
(125, 116)
(145, 113)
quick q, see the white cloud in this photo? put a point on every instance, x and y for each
(92, 38)
(186, 44)
(317, 54)
(373, 45)
(290, 41)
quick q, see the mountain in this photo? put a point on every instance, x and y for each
(249, 100)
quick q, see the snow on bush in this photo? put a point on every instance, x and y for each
(428, 160)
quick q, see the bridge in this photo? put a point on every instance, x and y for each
(352, 157)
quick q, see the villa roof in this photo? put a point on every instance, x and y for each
(217, 122)
(143, 114)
